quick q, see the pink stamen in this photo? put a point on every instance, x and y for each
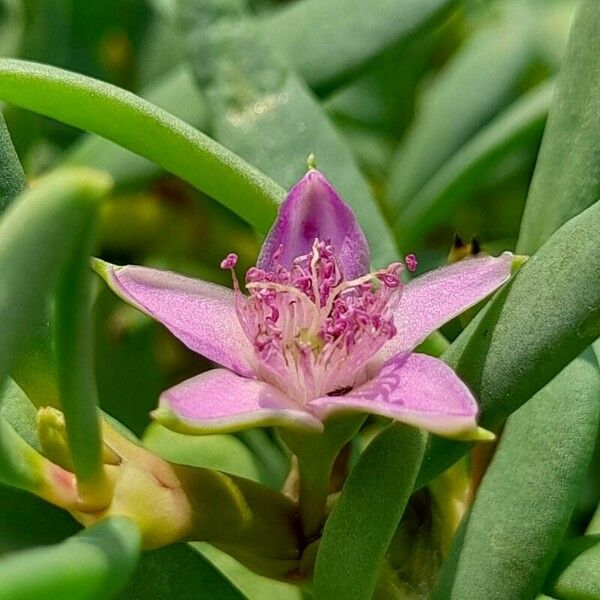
(411, 262)
(229, 261)
(313, 333)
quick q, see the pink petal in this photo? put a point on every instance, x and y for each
(313, 209)
(416, 389)
(433, 299)
(221, 401)
(201, 314)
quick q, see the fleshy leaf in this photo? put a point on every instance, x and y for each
(416, 389)
(220, 401)
(95, 563)
(433, 299)
(313, 209)
(201, 314)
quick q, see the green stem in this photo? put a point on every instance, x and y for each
(313, 491)
(316, 454)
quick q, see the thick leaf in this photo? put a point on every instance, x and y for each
(326, 41)
(507, 543)
(362, 523)
(545, 317)
(177, 572)
(12, 178)
(92, 564)
(479, 81)
(274, 462)
(33, 246)
(75, 361)
(250, 584)
(567, 175)
(220, 452)
(176, 93)
(576, 572)
(520, 125)
(267, 115)
(146, 129)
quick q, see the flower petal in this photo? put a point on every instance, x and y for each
(221, 401)
(201, 314)
(313, 209)
(416, 389)
(433, 299)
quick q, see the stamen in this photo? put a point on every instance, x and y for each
(411, 262)
(313, 333)
(229, 261)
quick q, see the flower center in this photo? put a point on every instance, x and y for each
(313, 333)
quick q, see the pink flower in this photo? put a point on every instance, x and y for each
(316, 334)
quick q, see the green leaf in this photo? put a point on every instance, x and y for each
(92, 564)
(219, 452)
(517, 126)
(479, 81)
(75, 361)
(175, 92)
(33, 246)
(146, 129)
(545, 317)
(275, 464)
(12, 178)
(177, 572)
(508, 541)
(362, 523)
(567, 175)
(250, 584)
(267, 115)
(327, 41)
(576, 572)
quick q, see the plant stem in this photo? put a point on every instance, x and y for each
(316, 454)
